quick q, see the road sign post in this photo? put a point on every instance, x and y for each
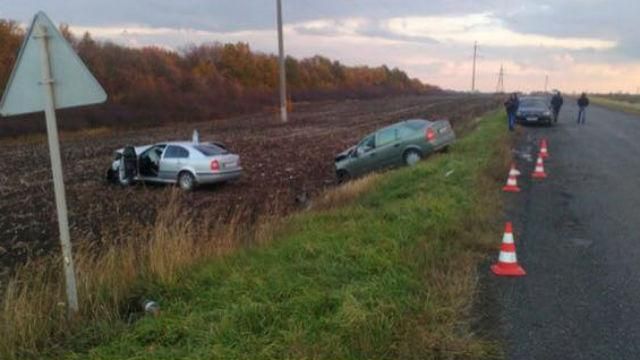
(49, 75)
(56, 168)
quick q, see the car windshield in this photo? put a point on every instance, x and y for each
(368, 142)
(534, 103)
(210, 150)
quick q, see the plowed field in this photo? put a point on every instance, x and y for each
(282, 162)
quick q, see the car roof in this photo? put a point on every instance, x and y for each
(183, 143)
(399, 123)
(414, 121)
(533, 98)
(189, 144)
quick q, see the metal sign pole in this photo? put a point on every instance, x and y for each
(29, 90)
(56, 166)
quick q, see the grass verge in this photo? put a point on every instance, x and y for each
(389, 274)
(112, 280)
(629, 107)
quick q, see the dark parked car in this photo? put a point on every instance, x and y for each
(405, 143)
(534, 110)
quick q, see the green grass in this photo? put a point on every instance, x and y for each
(391, 274)
(617, 104)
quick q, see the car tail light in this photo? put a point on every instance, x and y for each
(430, 134)
(215, 165)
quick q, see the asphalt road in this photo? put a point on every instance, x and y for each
(578, 237)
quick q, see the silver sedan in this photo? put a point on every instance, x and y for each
(184, 163)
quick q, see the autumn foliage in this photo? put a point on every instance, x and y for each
(153, 85)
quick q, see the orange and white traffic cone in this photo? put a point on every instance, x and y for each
(514, 171)
(512, 184)
(507, 264)
(539, 171)
(544, 152)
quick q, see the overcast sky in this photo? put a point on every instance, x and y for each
(582, 45)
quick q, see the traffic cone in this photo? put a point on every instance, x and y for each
(507, 264)
(544, 152)
(512, 184)
(514, 171)
(539, 171)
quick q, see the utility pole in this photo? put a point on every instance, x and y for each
(473, 75)
(546, 82)
(283, 75)
(500, 86)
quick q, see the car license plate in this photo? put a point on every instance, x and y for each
(230, 164)
(532, 118)
(443, 130)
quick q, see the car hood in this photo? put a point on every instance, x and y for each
(343, 155)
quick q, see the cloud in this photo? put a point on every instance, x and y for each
(137, 35)
(435, 48)
(486, 29)
(332, 27)
(317, 32)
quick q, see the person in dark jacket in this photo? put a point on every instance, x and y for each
(511, 106)
(583, 102)
(556, 104)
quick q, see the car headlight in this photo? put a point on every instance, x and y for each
(547, 113)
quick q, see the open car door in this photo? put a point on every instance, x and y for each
(128, 168)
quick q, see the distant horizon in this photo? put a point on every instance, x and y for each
(432, 42)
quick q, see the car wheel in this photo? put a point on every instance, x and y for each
(123, 181)
(343, 176)
(186, 181)
(111, 176)
(412, 157)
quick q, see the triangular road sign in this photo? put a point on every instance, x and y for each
(73, 84)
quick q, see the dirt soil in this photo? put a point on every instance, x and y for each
(283, 164)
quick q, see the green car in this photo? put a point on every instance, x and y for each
(403, 143)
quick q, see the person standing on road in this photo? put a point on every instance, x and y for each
(583, 102)
(511, 106)
(556, 105)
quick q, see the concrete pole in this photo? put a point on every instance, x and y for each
(56, 168)
(283, 75)
(546, 82)
(473, 75)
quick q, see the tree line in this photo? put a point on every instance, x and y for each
(153, 85)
